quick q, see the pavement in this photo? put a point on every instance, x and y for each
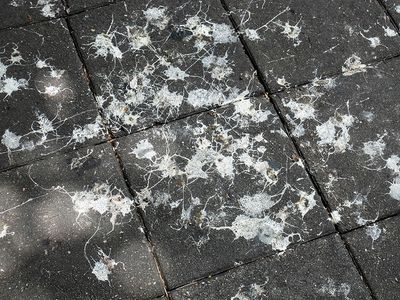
(199, 149)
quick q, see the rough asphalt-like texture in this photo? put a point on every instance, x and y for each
(199, 149)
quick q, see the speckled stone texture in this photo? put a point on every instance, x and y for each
(296, 41)
(69, 230)
(320, 269)
(46, 104)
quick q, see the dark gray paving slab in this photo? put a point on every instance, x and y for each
(46, 104)
(68, 230)
(321, 269)
(376, 250)
(348, 129)
(78, 5)
(393, 7)
(295, 41)
(23, 12)
(157, 61)
(219, 188)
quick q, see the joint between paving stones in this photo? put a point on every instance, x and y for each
(387, 12)
(142, 220)
(112, 140)
(286, 127)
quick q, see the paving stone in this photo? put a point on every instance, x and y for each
(23, 12)
(219, 188)
(376, 250)
(46, 104)
(348, 129)
(393, 7)
(68, 231)
(78, 5)
(158, 61)
(321, 269)
(295, 41)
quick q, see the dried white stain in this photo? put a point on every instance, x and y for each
(374, 232)
(4, 232)
(10, 84)
(335, 289)
(251, 292)
(353, 65)
(103, 267)
(389, 32)
(103, 199)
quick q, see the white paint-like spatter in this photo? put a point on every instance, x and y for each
(47, 7)
(333, 289)
(251, 292)
(157, 16)
(175, 73)
(373, 41)
(224, 165)
(144, 149)
(374, 232)
(306, 203)
(223, 34)
(11, 140)
(252, 34)
(104, 266)
(292, 32)
(393, 164)
(164, 98)
(9, 85)
(302, 112)
(138, 37)
(4, 232)
(282, 81)
(336, 217)
(389, 32)
(353, 65)
(104, 46)
(88, 131)
(374, 149)
(335, 132)
(103, 199)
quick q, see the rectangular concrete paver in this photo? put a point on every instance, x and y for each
(376, 250)
(295, 41)
(22, 12)
(219, 188)
(157, 61)
(46, 104)
(321, 269)
(68, 230)
(348, 129)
